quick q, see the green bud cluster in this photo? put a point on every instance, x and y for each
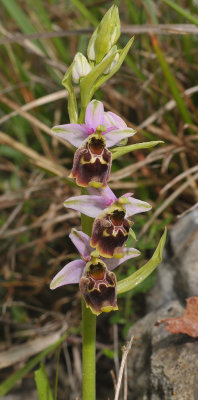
(105, 36)
(104, 60)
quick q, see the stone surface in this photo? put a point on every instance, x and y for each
(177, 276)
(162, 366)
(184, 242)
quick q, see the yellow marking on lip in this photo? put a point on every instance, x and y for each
(93, 160)
(105, 233)
(109, 308)
(96, 184)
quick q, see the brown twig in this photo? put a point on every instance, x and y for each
(125, 351)
(159, 29)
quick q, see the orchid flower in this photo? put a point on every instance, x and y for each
(111, 226)
(92, 160)
(93, 273)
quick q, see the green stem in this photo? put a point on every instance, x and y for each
(88, 353)
(89, 334)
(82, 114)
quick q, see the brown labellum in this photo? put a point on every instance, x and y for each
(92, 162)
(98, 287)
(110, 232)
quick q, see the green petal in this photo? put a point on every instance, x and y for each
(141, 274)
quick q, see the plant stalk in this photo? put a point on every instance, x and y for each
(89, 334)
(88, 353)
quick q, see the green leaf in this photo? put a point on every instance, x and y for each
(172, 82)
(85, 12)
(72, 104)
(182, 11)
(132, 234)
(141, 274)
(9, 383)
(120, 151)
(108, 353)
(92, 82)
(87, 83)
(122, 56)
(42, 384)
(22, 20)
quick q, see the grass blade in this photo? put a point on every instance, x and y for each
(42, 384)
(171, 82)
(86, 13)
(182, 11)
(9, 383)
(20, 18)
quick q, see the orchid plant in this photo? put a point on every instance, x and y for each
(106, 219)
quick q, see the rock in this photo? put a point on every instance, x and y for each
(174, 367)
(162, 365)
(164, 289)
(177, 276)
(184, 242)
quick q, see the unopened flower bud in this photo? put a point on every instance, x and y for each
(114, 62)
(80, 68)
(105, 35)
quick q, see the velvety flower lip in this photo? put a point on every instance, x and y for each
(72, 272)
(99, 199)
(92, 162)
(99, 287)
(111, 125)
(110, 231)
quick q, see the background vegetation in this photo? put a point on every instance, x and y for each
(156, 93)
